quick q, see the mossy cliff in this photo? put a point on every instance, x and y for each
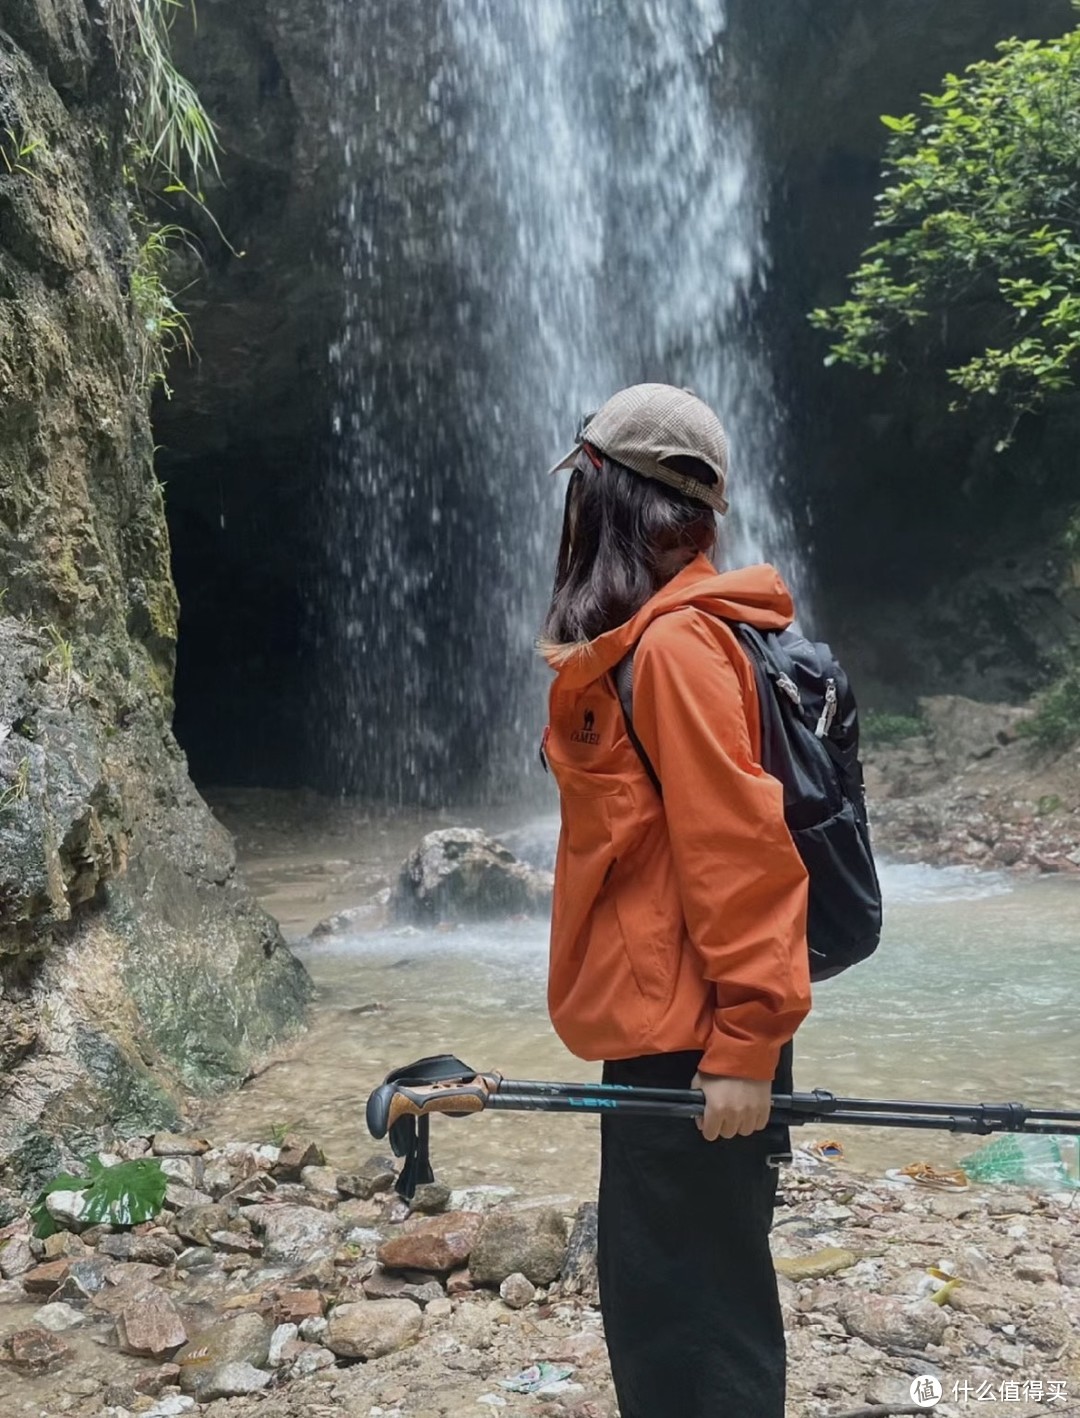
(132, 964)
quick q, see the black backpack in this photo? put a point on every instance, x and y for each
(810, 742)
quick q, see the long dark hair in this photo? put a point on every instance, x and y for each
(623, 537)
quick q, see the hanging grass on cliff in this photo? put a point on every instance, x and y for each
(173, 147)
(977, 270)
(170, 128)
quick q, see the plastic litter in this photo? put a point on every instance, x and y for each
(540, 1378)
(928, 1176)
(1035, 1159)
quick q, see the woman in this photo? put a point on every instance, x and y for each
(678, 946)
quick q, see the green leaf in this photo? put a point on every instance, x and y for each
(899, 125)
(125, 1194)
(122, 1195)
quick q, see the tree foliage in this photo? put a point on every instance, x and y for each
(980, 233)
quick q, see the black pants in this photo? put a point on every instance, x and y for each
(687, 1286)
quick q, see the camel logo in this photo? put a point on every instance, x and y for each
(587, 734)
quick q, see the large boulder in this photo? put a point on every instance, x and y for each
(460, 873)
(437, 1244)
(295, 1233)
(368, 1329)
(242, 1340)
(964, 730)
(531, 1241)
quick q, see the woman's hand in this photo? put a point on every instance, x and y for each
(734, 1107)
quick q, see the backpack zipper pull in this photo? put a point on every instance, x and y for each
(828, 714)
(789, 687)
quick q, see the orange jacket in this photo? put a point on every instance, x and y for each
(678, 924)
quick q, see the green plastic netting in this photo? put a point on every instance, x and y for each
(1029, 1159)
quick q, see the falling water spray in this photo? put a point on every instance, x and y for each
(543, 201)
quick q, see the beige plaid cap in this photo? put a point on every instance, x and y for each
(644, 426)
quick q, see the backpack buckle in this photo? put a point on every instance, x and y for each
(789, 687)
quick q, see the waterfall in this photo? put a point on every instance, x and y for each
(545, 200)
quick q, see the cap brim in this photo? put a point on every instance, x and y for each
(567, 462)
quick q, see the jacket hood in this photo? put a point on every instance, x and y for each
(754, 594)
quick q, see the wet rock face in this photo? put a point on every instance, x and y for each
(122, 928)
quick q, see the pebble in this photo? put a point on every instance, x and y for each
(430, 1198)
(173, 1144)
(888, 1320)
(16, 1257)
(320, 1180)
(1034, 1265)
(278, 1340)
(171, 1406)
(517, 1291)
(234, 1380)
(296, 1153)
(479, 1198)
(314, 1329)
(377, 1175)
(44, 1279)
(817, 1264)
(35, 1351)
(150, 1326)
(312, 1361)
(66, 1207)
(59, 1317)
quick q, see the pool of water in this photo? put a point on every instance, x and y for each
(971, 996)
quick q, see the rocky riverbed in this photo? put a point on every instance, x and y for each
(969, 789)
(273, 1285)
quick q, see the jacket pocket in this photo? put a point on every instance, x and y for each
(650, 946)
(587, 816)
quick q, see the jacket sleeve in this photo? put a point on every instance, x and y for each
(742, 882)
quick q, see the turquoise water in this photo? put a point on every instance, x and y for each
(970, 997)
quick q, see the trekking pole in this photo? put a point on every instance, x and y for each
(819, 1105)
(404, 1104)
(475, 1092)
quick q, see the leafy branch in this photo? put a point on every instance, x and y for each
(979, 225)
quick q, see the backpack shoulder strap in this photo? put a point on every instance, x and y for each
(623, 679)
